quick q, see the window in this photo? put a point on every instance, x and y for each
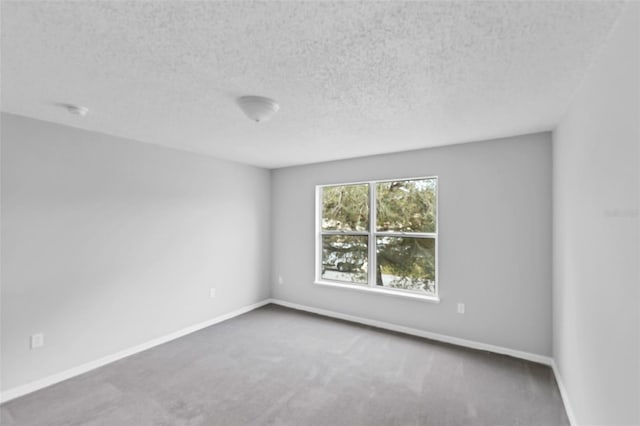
(379, 235)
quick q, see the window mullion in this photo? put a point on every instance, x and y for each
(356, 233)
(372, 235)
(407, 234)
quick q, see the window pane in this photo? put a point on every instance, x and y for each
(344, 258)
(406, 263)
(407, 205)
(345, 208)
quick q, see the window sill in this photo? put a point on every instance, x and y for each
(381, 291)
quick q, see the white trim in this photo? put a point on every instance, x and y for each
(540, 359)
(360, 182)
(564, 394)
(372, 261)
(400, 234)
(354, 233)
(22, 390)
(317, 235)
(384, 291)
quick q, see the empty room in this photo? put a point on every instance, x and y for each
(323, 213)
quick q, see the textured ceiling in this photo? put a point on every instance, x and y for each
(352, 78)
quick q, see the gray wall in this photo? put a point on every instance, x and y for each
(596, 280)
(495, 240)
(108, 243)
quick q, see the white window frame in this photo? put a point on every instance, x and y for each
(371, 234)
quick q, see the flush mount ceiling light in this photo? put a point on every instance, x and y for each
(76, 109)
(258, 108)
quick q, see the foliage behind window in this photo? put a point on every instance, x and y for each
(403, 240)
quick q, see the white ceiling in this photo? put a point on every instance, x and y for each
(352, 78)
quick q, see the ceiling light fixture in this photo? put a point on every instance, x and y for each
(258, 108)
(77, 110)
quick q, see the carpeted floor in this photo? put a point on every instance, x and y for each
(276, 366)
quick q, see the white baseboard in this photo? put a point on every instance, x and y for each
(564, 394)
(67, 374)
(540, 359)
(75, 371)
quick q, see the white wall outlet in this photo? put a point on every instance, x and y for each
(461, 308)
(280, 280)
(212, 293)
(37, 341)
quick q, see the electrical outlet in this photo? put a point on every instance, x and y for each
(37, 341)
(280, 280)
(212, 293)
(461, 308)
